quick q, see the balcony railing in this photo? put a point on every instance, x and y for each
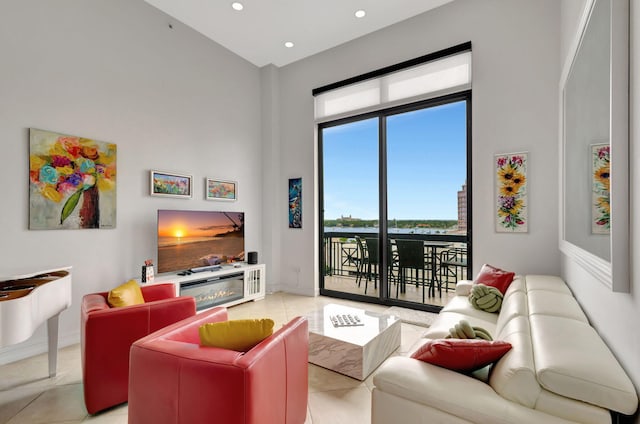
(447, 254)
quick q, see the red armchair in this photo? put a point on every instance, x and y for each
(107, 334)
(174, 380)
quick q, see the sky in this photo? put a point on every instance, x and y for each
(426, 165)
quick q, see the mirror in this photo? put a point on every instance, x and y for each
(595, 145)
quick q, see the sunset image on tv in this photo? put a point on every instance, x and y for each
(191, 239)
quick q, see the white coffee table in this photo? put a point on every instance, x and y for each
(353, 351)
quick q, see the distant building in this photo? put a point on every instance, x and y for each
(462, 209)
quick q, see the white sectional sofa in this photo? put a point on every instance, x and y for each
(559, 370)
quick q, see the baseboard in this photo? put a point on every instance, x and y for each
(35, 346)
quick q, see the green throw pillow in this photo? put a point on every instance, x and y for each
(464, 330)
(485, 298)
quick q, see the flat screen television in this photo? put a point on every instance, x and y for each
(194, 239)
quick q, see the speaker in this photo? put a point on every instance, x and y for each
(252, 258)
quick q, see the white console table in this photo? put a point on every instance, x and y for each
(253, 275)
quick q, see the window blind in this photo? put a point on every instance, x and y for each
(430, 79)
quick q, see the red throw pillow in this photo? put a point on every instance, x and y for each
(464, 355)
(494, 277)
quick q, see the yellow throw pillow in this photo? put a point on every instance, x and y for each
(240, 335)
(126, 294)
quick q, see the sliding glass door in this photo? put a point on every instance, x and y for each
(351, 199)
(395, 203)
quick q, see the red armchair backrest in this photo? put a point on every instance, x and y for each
(266, 385)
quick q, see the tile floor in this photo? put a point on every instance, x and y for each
(411, 294)
(28, 396)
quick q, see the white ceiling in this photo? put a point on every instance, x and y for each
(259, 31)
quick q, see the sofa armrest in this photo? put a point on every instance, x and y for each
(447, 391)
(463, 287)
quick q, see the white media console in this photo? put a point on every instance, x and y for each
(228, 286)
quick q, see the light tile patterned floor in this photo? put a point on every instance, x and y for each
(28, 397)
(412, 293)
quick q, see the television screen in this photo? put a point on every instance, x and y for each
(192, 239)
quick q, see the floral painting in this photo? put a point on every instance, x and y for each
(172, 185)
(72, 182)
(295, 203)
(511, 193)
(221, 190)
(600, 197)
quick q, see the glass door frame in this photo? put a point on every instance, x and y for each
(383, 297)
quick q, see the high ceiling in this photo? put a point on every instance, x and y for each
(259, 31)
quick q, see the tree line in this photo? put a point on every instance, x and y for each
(393, 223)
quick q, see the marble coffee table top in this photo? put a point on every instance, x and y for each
(373, 324)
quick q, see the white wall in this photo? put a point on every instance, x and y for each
(615, 315)
(169, 98)
(515, 79)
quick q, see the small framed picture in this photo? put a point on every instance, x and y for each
(221, 190)
(295, 202)
(172, 185)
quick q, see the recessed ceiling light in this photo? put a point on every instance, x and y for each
(288, 44)
(237, 6)
(360, 13)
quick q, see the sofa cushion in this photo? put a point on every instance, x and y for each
(126, 294)
(517, 285)
(514, 376)
(572, 360)
(546, 282)
(555, 303)
(239, 335)
(514, 304)
(494, 277)
(571, 409)
(463, 355)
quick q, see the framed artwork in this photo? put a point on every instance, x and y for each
(72, 182)
(511, 193)
(221, 190)
(295, 202)
(171, 185)
(600, 186)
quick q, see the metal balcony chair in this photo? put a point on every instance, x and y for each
(392, 258)
(452, 263)
(362, 259)
(412, 259)
(373, 260)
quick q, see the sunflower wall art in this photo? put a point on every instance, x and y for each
(72, 182)
(600, 197)
(511, 193)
